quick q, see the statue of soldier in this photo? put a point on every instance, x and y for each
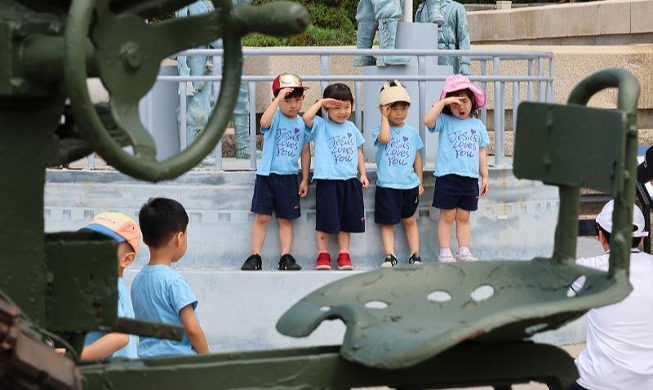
(453, 32)
(384, 16)
(200, 98)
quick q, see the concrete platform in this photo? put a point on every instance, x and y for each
(239, 310)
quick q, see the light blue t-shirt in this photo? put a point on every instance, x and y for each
(459, 142)
(336, 149)
(395, 160)
(125, 310)
(158, 294)
(283, 142)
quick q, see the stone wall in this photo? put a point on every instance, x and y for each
(613, 22)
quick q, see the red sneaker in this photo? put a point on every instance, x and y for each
(323, 261)
(344, 262)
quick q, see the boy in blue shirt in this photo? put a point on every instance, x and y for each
(399, 173)
(276, 186)
(128, 235)
(158, 292)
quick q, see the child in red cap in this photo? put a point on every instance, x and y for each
(277, 188)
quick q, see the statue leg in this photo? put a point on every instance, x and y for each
(387, 37)
(367, 26)
(192, 133)
(364, 40)
(241, 123)
(241, 129)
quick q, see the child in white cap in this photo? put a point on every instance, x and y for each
(399, 173)
(461, 159)
(619, 337)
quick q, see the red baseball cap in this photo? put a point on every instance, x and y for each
(287, 80)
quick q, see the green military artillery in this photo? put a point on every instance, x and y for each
(439, 326)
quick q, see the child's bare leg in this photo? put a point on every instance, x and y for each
(343, 241)
(463, 228)
(258, 232)
(444, 227)
(388, 239)
(412, 233)
(322, 241)
(285, 235)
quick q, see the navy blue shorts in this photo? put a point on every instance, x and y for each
(339, 206)
(278, 193)
(455, 192)
(392, 205)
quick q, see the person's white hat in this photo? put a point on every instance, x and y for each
(604, 219)
(393, 92)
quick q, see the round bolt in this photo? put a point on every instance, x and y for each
(18, 31)
(55, 27)
(131, 55)
(18, 84)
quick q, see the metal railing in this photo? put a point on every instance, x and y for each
(535, 82)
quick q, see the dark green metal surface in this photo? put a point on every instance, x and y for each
(324, 368)
(407, 328)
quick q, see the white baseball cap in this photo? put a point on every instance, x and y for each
(604, 219)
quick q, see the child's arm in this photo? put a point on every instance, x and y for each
(309, 115)
(105, 346)
(306, 169)
(361, 168)
(417, 165)
(384, 133)
(482, 167)
(432, 115)
(193, 329)
(268, 114)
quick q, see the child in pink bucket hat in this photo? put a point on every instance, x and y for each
(461, 160)
(459, 82)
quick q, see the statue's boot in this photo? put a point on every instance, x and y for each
(387, 37)
(365, 40)
(192, 133)
(241, 130)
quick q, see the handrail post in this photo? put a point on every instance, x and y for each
(251, 93)
(498, 125)
(421, 91)
(483, 65)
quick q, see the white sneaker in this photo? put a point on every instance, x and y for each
(446, 258)
(465, 255)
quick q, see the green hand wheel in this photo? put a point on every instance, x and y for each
(127, 52)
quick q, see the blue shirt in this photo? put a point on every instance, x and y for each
(336, 149)
(283, 142)
(459, 142)
(158, 294)
(125, 310)
(395, 160)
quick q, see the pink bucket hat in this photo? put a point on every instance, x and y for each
(458, 82)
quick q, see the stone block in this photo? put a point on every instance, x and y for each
(641, 20)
